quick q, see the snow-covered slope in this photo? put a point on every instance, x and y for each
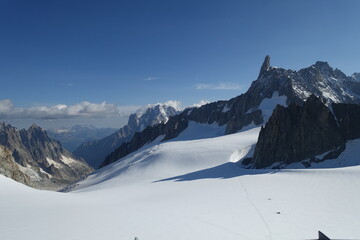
(192, 190)
(94, 152)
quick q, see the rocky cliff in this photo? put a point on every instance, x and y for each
(31, 157)
(296, 133)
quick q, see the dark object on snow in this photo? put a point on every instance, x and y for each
(246, 161)
(322, 236)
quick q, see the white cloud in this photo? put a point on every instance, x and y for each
(61, 111)
(218, 86)
(6, 105)
(200, 103)
(151, 78)
(175, 104)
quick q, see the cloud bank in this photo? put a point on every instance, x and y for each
(200, 103)
(61, 111)
(218, 86)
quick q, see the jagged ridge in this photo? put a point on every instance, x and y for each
(31, 157)
(319, 79)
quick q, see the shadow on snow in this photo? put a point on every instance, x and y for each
(223, 171)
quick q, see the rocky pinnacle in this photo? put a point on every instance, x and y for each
(265, 66)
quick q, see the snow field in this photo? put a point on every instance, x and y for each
(192, 189)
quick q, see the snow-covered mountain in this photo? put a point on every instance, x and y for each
(94, 152)
(254, 107)
(73, 137)
(356, 76)
(31, 157)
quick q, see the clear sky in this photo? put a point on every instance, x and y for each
(95, 62)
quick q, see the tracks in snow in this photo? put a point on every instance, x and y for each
(256, 209)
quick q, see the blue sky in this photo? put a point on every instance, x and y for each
(113, 56)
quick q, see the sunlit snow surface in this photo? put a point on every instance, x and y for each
(192, 190)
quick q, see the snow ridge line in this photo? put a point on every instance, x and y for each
(256, 209)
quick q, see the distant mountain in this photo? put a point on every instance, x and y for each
(31, 157)
(73, 137)
(273, 86)
(356, 76)
(298, 133)
(94, 152)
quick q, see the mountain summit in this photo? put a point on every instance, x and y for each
(265, 66)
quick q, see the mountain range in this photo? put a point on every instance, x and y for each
(253, 108)
(301, 150)
(280, 161)
(31, 157)
(308, 99)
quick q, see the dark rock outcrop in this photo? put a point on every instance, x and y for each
(296, 132)
(348, 118)
(31, 157)
(265, 66)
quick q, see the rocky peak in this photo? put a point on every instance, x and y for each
(150, 116)
(34, 126)
(133, 121)
(265, 66)
(323, 66)
(356, 76)
(35, 130)
(4, 126)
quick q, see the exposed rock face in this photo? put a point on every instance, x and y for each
(9, 168)
(265, 66)
(148, 135)
(356, 76)
(94, 152)
(298, 132)
(296, 86)
(348, 118)
(31, 157)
